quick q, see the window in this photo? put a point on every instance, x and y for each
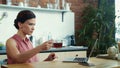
(117, 20)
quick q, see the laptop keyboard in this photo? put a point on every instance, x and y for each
(83, 60)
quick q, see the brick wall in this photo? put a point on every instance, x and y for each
(2, 1)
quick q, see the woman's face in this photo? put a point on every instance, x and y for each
(28, 26)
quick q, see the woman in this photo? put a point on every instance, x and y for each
(19, 48)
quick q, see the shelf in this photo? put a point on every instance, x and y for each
(32, 8)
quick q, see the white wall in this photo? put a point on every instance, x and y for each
(46, 22)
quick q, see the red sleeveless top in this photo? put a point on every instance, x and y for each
(22, 46)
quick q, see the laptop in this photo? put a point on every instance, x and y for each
(81, 59)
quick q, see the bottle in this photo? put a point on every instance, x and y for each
(58, 3)
(72, 40)
(63, 4)
(49, 36)
(9, 2)
(32, 39)
(26, 3)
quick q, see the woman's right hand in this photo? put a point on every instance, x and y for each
(47, 45)
(51, 57)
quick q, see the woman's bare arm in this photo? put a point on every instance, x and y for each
(13, 52)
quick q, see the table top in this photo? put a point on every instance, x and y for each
(98, 63)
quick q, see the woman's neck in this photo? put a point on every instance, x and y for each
(21, 34)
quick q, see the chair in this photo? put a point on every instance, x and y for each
(4, 66)
(3, 63)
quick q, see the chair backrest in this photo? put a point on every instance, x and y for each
(4, 66)
(5, 61)
(2, 62)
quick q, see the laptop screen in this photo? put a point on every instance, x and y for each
(93, 48)
(81, 59)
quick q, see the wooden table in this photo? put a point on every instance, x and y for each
(98, 62)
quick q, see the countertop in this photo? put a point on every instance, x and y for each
(63, 49)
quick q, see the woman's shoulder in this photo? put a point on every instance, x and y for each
(10, 41)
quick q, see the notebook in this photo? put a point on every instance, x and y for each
(81, 59)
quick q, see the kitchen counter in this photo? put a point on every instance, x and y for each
(63, 49)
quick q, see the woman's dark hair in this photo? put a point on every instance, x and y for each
(23, 16)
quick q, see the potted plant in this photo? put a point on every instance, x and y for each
(98, 23)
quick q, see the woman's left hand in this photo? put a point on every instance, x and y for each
(51, 57)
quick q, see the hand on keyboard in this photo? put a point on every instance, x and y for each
(81, 60)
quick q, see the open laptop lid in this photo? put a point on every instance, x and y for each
(86, 58)
(91, 52)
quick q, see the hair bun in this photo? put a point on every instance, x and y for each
(16, 23)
